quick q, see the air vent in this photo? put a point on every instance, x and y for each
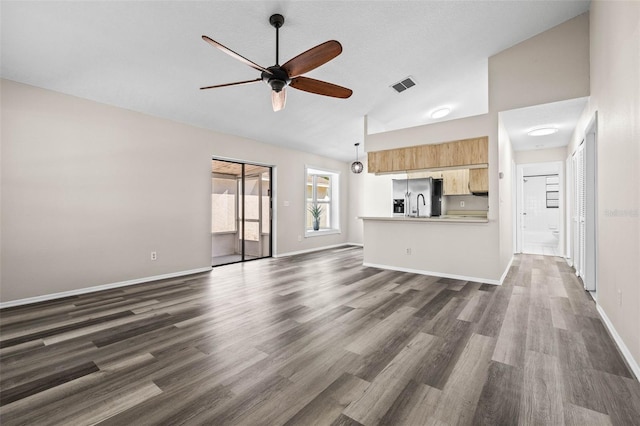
(403, 85)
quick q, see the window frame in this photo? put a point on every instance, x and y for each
(333, 202)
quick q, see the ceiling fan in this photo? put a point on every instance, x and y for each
(290, 74)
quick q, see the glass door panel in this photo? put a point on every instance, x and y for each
(241, 212)
(257, 212)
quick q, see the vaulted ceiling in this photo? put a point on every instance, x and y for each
(149, 57)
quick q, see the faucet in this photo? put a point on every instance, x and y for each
(418, 204)
(407, 208)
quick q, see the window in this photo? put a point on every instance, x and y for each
(322, 193)
(553, 194)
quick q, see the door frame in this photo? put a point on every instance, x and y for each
(519, 176)
(272, 203)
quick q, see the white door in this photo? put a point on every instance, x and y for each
(579, 211)
(540, 213)
(584, 209)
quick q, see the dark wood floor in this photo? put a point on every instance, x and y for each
(319, 339)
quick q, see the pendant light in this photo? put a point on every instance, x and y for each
(356, 166)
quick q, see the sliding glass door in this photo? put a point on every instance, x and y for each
(240, 212)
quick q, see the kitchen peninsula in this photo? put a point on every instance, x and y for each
(452, 243)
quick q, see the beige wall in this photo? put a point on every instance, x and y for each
(540, 155)
(549, 67)
(356, 203)
(89, 190)
(615, 96)
(507, 202)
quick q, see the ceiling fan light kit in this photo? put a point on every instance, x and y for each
(278, 77)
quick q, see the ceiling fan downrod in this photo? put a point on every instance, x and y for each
(277, 21)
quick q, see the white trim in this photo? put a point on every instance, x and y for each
(562, 208)
(321, 232)
(334, 201)
(506, 271)
(356, 244)
(293, 253)
(52, 296)
(435, 274)
(623, 348)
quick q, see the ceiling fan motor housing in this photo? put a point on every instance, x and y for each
(278, 79)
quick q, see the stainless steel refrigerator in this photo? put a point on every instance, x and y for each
(421, 197)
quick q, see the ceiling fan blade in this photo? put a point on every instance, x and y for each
(312, 58)
(239, 83)
(278, 99)
(234, 54)
(320, 87)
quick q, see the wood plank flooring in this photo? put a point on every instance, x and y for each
(318, 339)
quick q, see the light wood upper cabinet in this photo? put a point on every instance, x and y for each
(455, 182)
(479, 180)
(458, 181)
(467, 152)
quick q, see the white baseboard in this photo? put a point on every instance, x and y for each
(506, 271)
(293, 253)
(623, 348)
(47, 297)
(435, 274)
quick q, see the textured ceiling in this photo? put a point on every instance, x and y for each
(148, 56)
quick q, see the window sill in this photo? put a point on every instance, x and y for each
(321, 232)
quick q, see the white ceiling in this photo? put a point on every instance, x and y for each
(148, 56)
(562, 115)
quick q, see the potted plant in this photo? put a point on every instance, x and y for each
(316, 212)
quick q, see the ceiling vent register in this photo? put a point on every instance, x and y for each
(403, 85)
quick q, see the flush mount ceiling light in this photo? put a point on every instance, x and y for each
(356, 166)
(440, 112)
(542, 131)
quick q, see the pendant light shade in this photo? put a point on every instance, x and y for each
(356, 166)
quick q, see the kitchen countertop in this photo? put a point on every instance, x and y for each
(450, 218)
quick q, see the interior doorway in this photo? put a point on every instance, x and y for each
(540, 209)
(241, 214)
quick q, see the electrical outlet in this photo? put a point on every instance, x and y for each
(299, 237)
(619, 297)
(408, 250)
(154, 255)
(461, 203)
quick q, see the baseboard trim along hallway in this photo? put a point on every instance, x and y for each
(626, 353)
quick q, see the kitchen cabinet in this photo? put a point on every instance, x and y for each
(456, 182)
(479, 180)
(467, 152)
